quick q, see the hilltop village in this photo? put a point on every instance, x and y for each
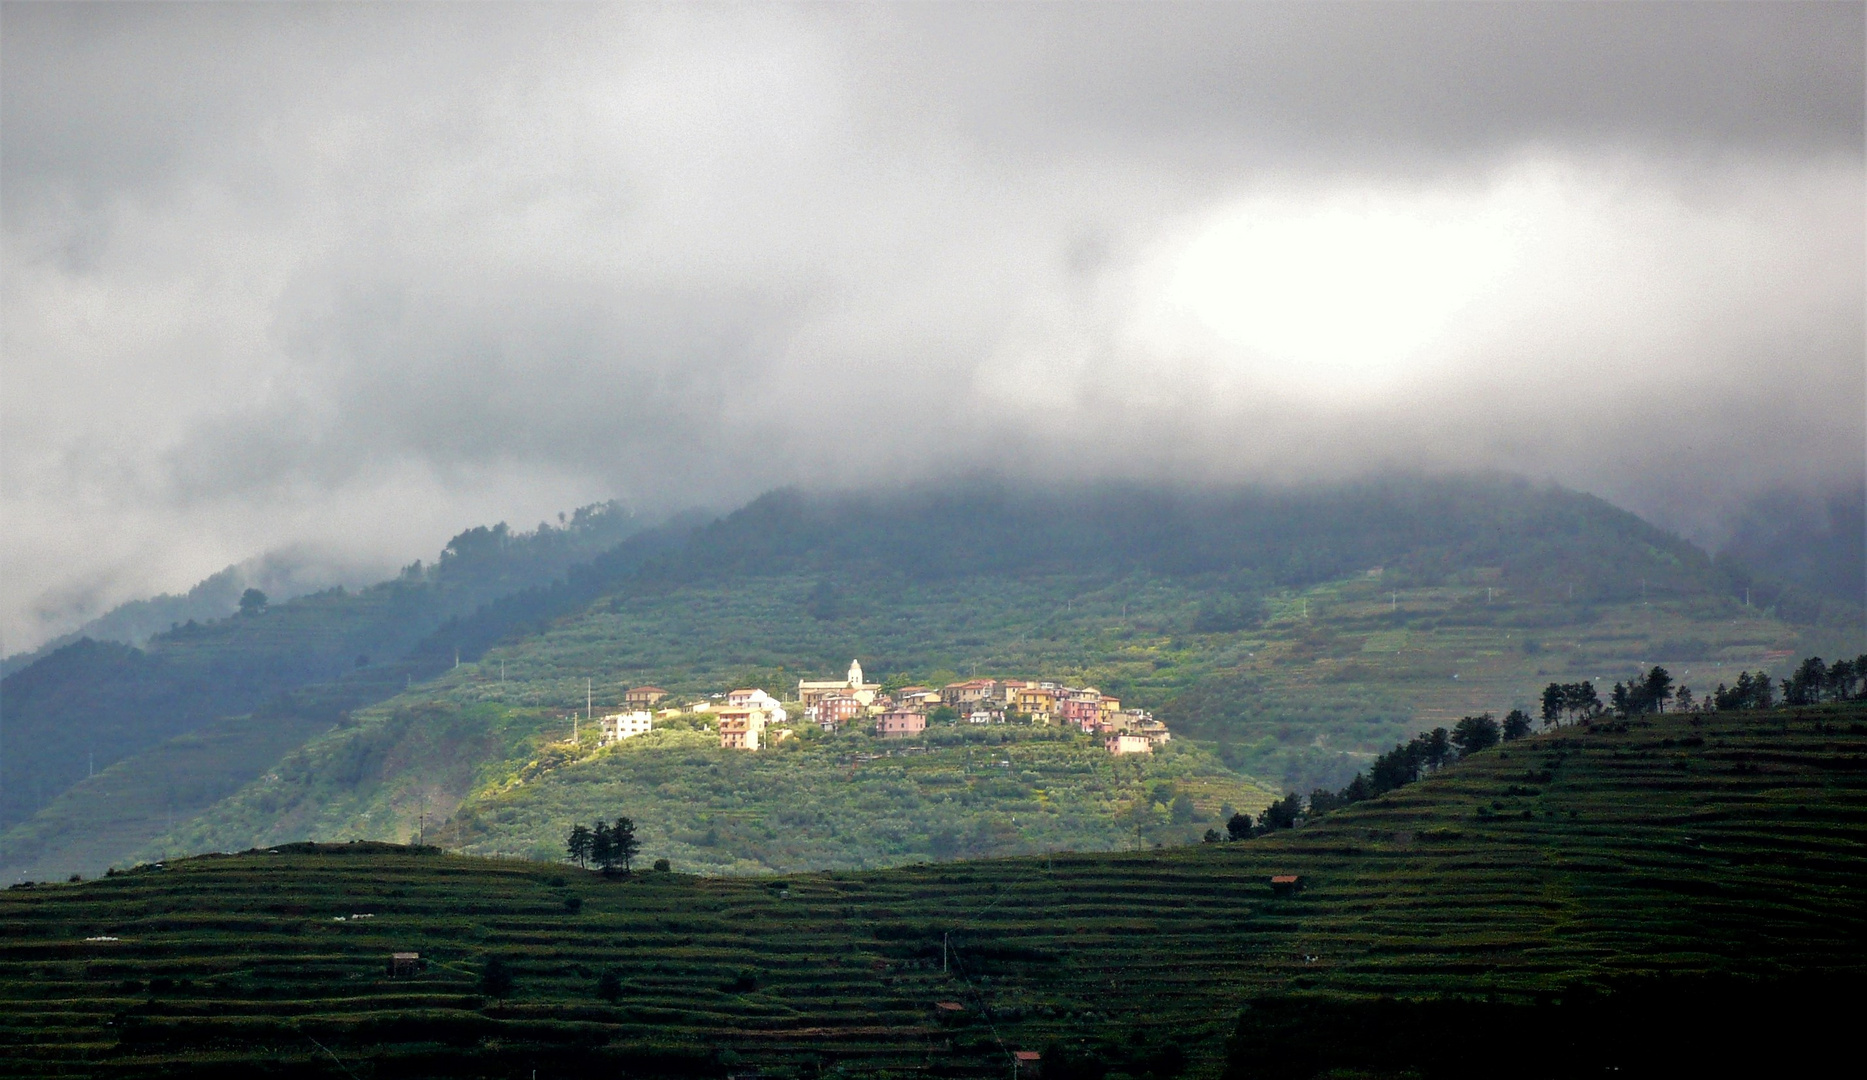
(748, 719)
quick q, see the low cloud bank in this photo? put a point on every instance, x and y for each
(357, 278)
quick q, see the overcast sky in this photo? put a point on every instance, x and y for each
(352, 278)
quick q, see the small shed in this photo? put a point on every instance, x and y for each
(1285, 884)
(404, 963)
(1027, 1062)
(949, 1006)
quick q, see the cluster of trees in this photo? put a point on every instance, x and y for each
(608, 847)
(1647, 694)
(1569, 701)
(1812, 683)
(1815, 682)
(1425, 753)
(1751, 692)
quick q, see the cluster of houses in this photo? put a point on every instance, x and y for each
(747, 719)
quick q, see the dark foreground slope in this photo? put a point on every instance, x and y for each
(1729, 843)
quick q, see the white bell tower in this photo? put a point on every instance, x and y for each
(855, 673)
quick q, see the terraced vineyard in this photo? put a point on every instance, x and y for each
(1727, 842)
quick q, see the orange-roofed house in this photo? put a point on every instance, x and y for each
(1039, 701)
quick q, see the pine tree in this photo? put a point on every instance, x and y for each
(578, 845)
(602, 851)
(623, 845)
(1555, 703)
(1474, 733)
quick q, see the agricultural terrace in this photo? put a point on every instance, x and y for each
(1721, 842)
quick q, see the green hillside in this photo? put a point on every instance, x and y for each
(1335, 673)
(1292, 634)
(816, 802)
(1725, 842)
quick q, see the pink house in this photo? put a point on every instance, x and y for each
(892, 725)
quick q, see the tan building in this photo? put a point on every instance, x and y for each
(962, 695)
(642, 697)
(740, 727)
(1129, 744)
(918, 697)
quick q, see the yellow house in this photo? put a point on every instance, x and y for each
(740, 727)
(1040, 702)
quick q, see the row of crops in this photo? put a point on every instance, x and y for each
(1695, 843)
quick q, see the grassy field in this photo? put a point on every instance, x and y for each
(1726, 842)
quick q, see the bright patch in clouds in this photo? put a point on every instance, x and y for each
(1352, 290)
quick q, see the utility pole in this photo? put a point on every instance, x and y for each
(456, 656)
(943, 937)
(502, 676)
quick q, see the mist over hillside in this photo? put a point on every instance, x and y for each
(281, 575)
(1818, 542)
(718, 251)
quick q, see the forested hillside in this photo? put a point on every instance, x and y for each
(1458, 597)
(1550, 869)
(1292, 633)
(85, 706)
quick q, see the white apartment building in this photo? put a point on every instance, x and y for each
(619, 726)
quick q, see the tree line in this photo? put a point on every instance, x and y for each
(608, 847)
(1425, 753)
(1813, 683)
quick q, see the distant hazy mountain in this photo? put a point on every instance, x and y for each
(1819, 544)
(78, 707)
(281, 575)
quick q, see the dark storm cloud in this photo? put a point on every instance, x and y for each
(359, 276)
